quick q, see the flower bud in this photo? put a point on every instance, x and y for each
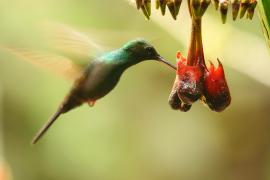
(243, 7)
(223, 8)
(216, 2)
(235, 8)
(177, 4)
(146, 8)
(162, 4)
(251, 9)
(190, 87)
(204, 6)
(145, 12)
(196, 7)
(157, 4)
(139, 4)
(172, 9)
(147, 4)
(217, 94)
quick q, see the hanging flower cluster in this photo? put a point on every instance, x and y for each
(194, 80)
(245, 7)
(197, 82)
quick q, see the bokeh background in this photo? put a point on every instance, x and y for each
(132, 133)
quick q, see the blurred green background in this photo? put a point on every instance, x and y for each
(132, 134)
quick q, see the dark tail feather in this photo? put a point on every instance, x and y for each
(46, 126)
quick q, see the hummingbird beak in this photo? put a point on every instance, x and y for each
(161, 59)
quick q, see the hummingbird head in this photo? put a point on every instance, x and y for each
(142, 51)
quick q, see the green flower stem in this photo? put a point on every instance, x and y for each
(195, 52)
(192, 45)
(264, 7)
(191, 58)
(199, 43)
(189, 8)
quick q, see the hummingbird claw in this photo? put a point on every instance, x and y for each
(91, 103)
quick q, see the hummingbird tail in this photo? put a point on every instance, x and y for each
(70, 102)
(46, 126)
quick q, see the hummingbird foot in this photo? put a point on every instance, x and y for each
(91, 103)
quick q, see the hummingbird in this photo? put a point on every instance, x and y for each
(97, 78)
(102, 75)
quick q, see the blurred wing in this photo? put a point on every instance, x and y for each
(57, 64)
(76, 48)
(81, 45)
(71, 42)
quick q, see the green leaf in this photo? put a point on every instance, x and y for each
(264, 7)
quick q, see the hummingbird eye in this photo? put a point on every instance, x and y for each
(150, 51)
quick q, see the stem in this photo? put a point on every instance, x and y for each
(191, 58)
(195, 52)
(189, 8)
(199, 43)
(264, 7)
(192, 45)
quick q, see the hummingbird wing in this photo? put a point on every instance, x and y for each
(55, 63)
(73, 49)
(76, 49)
(87, 43)
(71, 42)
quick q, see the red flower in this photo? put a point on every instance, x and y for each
(190, 80)
(175, 102)
(195, 82)
(216, 91)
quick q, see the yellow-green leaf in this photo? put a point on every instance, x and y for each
(264, 7)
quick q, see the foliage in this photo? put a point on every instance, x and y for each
(265, 18)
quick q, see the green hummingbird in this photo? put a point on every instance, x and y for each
(99, 77)
(102, 75)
